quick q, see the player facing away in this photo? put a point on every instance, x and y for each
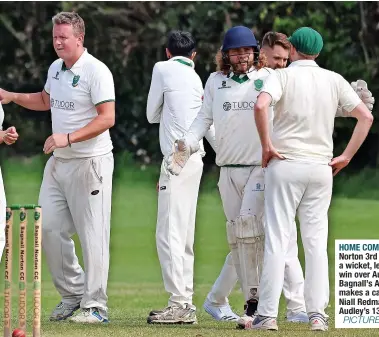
(298, 157)
(174, 100)
(275, 48)
(8, 137)
(76, 189)
(229, 100)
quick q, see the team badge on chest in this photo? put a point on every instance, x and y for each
(75, 80)
(258, 85)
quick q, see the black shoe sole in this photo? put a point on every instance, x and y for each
(169, 323)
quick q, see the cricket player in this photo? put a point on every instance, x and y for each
(275, 48)
(174, 100)
(229, 98)
(77, 183)
(299, 163)
(9, 137)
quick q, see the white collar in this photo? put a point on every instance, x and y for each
(303, 63)
(79, 63)
(182, 59)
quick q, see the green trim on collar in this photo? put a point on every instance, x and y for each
(64, 68)
(239, 79)
(184, 62)
(107, 100)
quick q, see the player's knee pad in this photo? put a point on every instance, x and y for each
(249, 234)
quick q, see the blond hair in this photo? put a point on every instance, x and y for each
(226, 68)
(272, 39)
(70, 18)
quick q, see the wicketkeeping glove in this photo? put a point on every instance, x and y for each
(182, 149)
(360, 87)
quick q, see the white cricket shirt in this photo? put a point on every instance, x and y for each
(229, 104)
(174, 100)
(306, 98)
(74, 95)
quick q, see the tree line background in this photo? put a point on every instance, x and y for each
(130, 37)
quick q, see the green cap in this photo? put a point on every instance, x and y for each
(307, 41)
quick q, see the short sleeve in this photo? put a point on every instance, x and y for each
(47, 83)
(274, 87)
(348, 99)
(53, 72)
(102, 86)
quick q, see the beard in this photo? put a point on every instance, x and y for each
(242, 67)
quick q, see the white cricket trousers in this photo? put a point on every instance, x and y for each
(3, 205)
(175, 231)
(306, 188)
(75, 197)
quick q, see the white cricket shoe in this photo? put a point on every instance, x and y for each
(173, 315)
(318, 322)
(261, 323)
(63, 311)
(90, 315)
(300, 317)
(220, 312)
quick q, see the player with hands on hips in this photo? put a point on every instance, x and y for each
(298, 156)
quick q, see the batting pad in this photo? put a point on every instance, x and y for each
(249, 234)
(232, 241)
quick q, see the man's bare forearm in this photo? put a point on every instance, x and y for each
(34, 101)
(358, 137)
(96, 127)
(261, 118)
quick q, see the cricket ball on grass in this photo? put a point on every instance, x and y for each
(18, 333)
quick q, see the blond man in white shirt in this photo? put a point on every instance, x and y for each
(76, 189)
(300, 168)
(174, 100)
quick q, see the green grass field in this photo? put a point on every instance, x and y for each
(135, 285)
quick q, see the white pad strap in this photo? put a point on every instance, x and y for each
(230, 233)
